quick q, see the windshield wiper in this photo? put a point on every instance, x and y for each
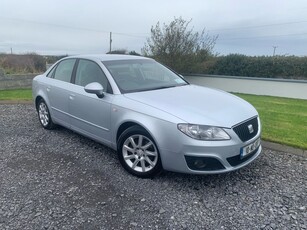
(165, 87)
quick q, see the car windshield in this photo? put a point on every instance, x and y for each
(142, 75)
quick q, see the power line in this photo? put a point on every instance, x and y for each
(55, 25)
(75, 28)
(144, 35)
(264, 36)
(132, 35)
(259, 26)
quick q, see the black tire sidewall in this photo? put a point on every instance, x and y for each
(134, 130)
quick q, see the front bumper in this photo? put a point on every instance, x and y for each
(209, 157)
(219, 160)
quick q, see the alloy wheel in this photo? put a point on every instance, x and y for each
(140, 153)
(43, 114)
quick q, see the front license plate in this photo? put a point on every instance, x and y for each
(245, 151)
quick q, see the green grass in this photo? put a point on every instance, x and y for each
(283, 120)
(16, 94)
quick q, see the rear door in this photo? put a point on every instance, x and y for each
(58, 91)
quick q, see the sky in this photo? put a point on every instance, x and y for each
(60, 27)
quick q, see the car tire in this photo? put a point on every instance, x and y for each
(138, 153)
(44, 115)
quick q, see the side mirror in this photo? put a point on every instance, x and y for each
(94, 88)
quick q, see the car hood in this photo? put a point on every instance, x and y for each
(198, 105)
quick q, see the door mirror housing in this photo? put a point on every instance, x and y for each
(94, 88)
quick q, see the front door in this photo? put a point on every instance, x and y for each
(89, 114)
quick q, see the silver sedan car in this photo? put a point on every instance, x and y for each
(149, 114)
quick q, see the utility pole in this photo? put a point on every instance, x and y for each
(110, 42)
(11, 50)
(274, 47)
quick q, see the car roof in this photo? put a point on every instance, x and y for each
(109, 57)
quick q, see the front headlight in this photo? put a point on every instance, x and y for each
(203, 132)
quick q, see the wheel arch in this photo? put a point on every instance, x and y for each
(40, 93)
(45, 98)
(37, 99)
(127, 124)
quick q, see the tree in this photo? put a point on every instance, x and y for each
(119, 51)
(124, 51)
(178, 47)
(134, 53)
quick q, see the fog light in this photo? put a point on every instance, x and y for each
(200, 164)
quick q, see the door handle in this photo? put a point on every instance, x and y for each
(48, 89)
(71, 96)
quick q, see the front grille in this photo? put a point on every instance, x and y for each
(236, 160)
(243, 131)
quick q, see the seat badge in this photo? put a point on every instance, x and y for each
(250, 128)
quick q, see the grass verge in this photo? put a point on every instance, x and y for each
(283, 120)
(16, 95)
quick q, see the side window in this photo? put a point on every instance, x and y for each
(88, 72)
(64, 70)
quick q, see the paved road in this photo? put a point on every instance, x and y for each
(61, 180)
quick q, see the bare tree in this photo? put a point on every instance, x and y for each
(179, 47)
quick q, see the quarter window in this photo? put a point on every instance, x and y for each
(64, 70)
(50, 74)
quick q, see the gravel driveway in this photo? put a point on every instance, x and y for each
(61, 180)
